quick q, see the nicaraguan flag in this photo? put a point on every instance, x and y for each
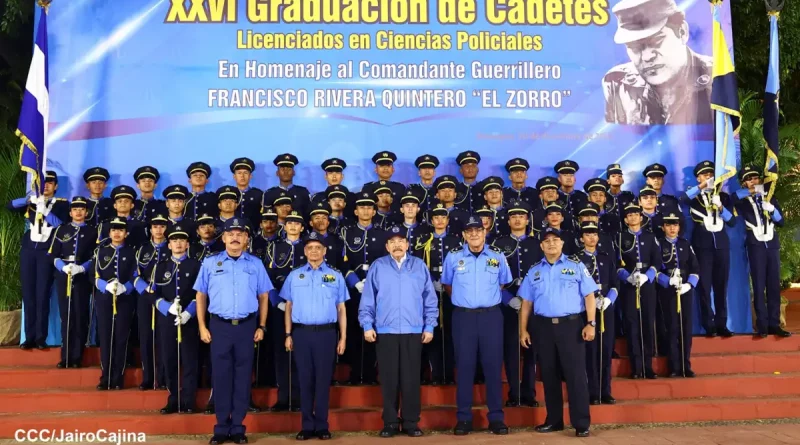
(771, 109)
(35, 114)
(724, 101)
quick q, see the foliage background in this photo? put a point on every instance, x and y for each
(751, 48)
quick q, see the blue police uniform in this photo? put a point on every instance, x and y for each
(399, 303)
(763, 254)
(425, 192)
(315, 295)
(528, 195)
(36, 268)
(233, 286)
(72, 247)
(173, 279)
(114, 310)
(98, 209)
(198, 203)
(146, 208)
(476, 296)
(557, 292)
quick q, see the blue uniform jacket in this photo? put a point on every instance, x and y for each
(558, 289)
(314, 294)
(477, 281)
(232, 285)
(398, 301)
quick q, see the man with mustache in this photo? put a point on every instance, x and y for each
(398, 310)
(665, 82)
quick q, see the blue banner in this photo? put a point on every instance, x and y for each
(166, 83)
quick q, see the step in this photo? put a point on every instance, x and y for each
(738, 344)
(30, 377)
(433, 418)
(350, 397)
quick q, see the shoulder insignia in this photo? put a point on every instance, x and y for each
(456, 249)
(574, 258)
(495, 248)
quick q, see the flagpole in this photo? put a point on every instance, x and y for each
(771, 98)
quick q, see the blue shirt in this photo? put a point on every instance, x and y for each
(558, 289)
(314, 293)
(232, 286)
(476, 282)
(398, 300)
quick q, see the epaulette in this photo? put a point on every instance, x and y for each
(574, 258)
(495, 248)
(456, 249)
(61, 199)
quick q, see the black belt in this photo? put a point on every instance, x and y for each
(477, 309)
(234, 321)
(557, 320)
(315, 327)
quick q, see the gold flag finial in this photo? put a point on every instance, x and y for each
(45, 4)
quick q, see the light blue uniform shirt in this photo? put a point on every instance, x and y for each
(476, 282)
(232, 286)
(558, 289)
(314, 294)
(398, 300)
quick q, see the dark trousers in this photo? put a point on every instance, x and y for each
(181, 374)
(714, 270)
(765, 270)
(74, 312)
(113, 331)
(680, 337)
(315, 352)
(359, 353)
(264, 368)
(36, 274)
(598, 355)
(640, 326)
(152, 368)
(399, 357)
(438, 354)
(514, 357)
(283, 361)
(560, 346)
(478, 335)
(232, 354)
(660, 326)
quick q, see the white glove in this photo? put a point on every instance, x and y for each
(602, 303)
(182, 318)
(768, 206)
(437, 286)
(67, 268)
(173, 309)
(111, 286)
(709, 183)
(685, 287)
(120, 288)
(76, 269)
(675, 282)
(642, 279)
(282, 306)
(360, 286)
(633, 278)
(515, 303)
(716, 200)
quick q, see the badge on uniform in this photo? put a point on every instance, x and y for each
(301, 276)
(219, 263)
(328, 278)
(167, 274)
(586, 272)
(569, 272)
(492, 262)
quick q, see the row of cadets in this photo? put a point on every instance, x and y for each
(760, 217)
(438, 354)
(446, 186)
(601, 267)
(114, 267)
(172, 294)
(146, 205)
(522, 252)
(71, 249)
(363, 244)
(148, 256)
(44, 213)
(677, 278)
(282, 256)
(639, 262)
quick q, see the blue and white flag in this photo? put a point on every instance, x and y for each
(35, 114)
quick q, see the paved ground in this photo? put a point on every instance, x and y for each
(760, 433)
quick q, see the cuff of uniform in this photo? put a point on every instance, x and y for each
(351, 279)
(693, 279)
(623, 274)
(162, 306)
(59, 263)
(140, 285)
(192, 308)
(741, 193)
(128, 288)
(274, 298)
(428, 329)
(101, 285)
(662, 279)
(692, 192)
(52, 219)
(776, 215)
(612, 295)
(19, 202)
(369, 327)
(726, 214)
(651, 274)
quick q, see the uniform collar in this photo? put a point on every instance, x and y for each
(243, 256)
(437, 236)
(322, 267)
(286, 188)
(78, 224)
(358, 224)
(295, 242)
(117, 248)
(650, 215)
(466, 249)
(425, 186)
(324, 235)
(470, 184)
(671, 240)
(179, 259)
(209, 243)
(560, 259)
(519, 238)
(638, 232)
(586, 252)
(413, 225)
(158, 245)
(178, 219)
